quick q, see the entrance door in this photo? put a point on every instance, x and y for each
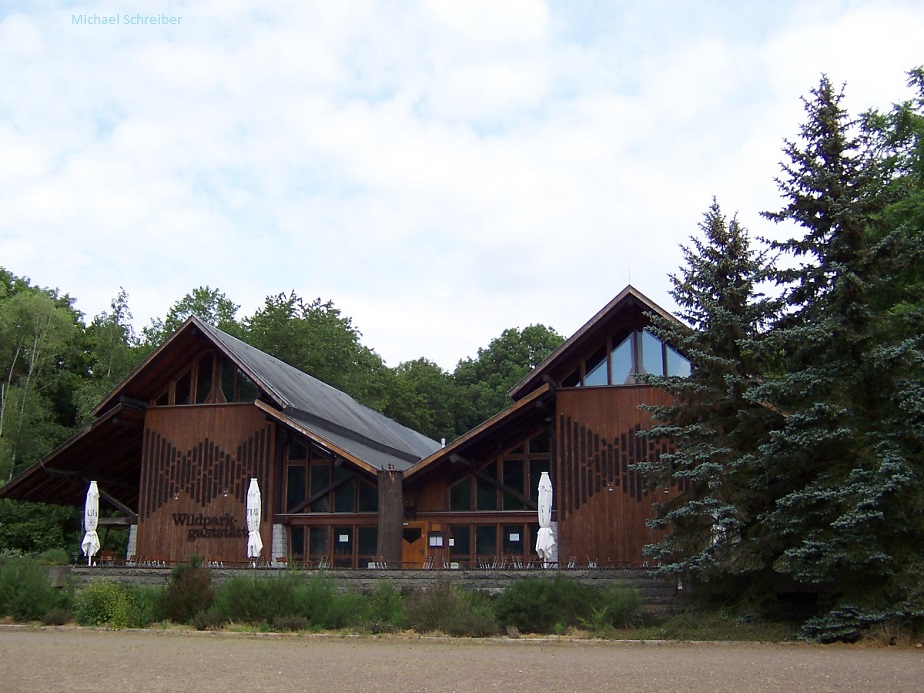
(414, 545)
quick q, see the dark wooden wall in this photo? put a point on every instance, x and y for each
(196, 467)
(601, 503)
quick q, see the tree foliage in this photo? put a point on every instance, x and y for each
(485, 380)
(37, 328)
(208, 304)
(715, 427)
(802, 435)
(112, 351)
(315, 337)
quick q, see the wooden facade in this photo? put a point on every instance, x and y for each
(176, 444)
(603, 504)
(196, 466)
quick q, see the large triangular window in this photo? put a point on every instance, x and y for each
(630, 355)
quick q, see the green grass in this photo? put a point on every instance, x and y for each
(697, 625)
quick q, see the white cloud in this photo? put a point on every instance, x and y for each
(440, 171)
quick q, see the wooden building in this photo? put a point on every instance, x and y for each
(174, 446)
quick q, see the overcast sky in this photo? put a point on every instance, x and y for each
(441, 171)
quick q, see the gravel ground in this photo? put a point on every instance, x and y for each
(74, 659)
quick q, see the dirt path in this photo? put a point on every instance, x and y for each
(78, 659)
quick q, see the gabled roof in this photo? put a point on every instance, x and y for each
(628, 299)
(330, 414)
(63, 475)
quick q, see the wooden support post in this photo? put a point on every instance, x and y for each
(391, 516)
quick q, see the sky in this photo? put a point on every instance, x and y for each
(440, 170)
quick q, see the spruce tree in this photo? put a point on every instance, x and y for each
(715, 429)
(836, 473)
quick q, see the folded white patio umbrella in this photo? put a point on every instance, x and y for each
(90, 543)
(545, 540)
(254, 542)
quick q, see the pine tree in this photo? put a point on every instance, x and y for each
(714, 427)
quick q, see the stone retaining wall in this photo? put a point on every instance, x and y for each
(658, 596)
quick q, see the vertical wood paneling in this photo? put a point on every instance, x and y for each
(197, 464)
(602, 503)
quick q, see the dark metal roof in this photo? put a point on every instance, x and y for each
(630, 297)
(332, 414)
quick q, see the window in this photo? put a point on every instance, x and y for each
(204, 378)
(312, 474)
(209, 379)
(509, 482)
(596, 369)
(621, 361)
(629, 355)
(346, 546)
(484, 544)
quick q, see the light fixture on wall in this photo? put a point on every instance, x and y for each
(225, 494)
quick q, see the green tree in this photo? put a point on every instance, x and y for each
(112, 349)
(713, 529)
(208, 304)
(317, 339)
(842, 472)
(485, 381)
(37, 527)
(423, 396)
(36, 329)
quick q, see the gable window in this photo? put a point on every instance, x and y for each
(209, 379)
(639, 352)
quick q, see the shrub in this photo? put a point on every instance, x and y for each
(291, 623)
(618, 605)
(104, 603)
(58, 616)
(843, 624)
(207, 620)
(25, 591)
(188, 592)
(54, 557)
(246, 599)
(449, 609)
(384, 610)
(540, 605)
(318, 600)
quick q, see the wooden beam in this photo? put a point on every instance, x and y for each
(118, 505)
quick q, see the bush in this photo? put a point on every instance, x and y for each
(291, 623)
(384, 612)
(104, 603)
(451, 610)
(54, 557)
(319, 601)
(254, 600)
(619, 605)
(540, 605)
(207, 620)
(843, 624)
(25, 591)
(188, 592)
(58, 616)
